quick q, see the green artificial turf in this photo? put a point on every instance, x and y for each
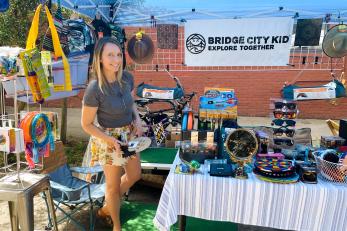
(139, 217)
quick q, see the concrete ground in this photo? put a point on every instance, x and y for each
(139, 193)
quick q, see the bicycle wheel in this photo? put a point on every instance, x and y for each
(184, 122)
(190, 121)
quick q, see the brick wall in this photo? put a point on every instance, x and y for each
(254, 86)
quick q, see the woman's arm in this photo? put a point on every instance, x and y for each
(87, 122)
(137, 120)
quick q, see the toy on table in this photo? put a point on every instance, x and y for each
(276, 171)
(38, 137)
(241, 145)
(187, 167)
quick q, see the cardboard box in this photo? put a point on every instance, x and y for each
(170, 143)
(55, 159)
(332, 141)
(187, 135)
(175, 135)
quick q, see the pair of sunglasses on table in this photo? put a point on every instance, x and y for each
(285, 114)
(284, 130)
(288, 142)
(283, 122)
(282, 105)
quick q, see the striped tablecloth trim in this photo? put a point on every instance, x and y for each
(298, 206)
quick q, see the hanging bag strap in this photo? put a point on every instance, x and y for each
(58, 51)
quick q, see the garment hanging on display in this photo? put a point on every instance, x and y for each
(101, 27)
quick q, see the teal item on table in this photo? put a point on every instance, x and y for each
(194, 164)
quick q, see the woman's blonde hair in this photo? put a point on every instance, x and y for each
(97, 65)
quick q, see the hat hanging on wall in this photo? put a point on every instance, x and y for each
(335, 41)
(140, 48)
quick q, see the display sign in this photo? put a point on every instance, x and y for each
(217, 103)
(314, 93)
(157, 94)
(238, 42)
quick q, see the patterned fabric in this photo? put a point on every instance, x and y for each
(297, 206)
(62, 32)
(106, 154)
(167, 36)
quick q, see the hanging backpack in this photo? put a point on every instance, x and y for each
(119, 33)
(80, 36)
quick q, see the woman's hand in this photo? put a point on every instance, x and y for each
(113, 142)
(138, 129)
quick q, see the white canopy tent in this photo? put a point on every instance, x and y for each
(142, 12)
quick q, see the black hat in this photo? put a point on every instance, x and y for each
(335, 41)
(141, 48)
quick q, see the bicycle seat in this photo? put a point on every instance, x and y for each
(154, 92)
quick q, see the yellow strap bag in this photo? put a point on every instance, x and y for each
(58, 51)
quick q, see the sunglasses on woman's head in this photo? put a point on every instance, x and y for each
(287, 114)
(280, 105)
(281, 122)
(288, 142)
(284, 130)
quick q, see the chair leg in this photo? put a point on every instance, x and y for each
(50, 208)
(69, 217)
(50, 224)
(91, 218)
(13, 215)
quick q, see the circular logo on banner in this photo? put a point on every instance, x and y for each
(195, 43)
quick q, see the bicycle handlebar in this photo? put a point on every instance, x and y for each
(178, 83)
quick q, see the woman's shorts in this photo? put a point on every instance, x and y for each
(104, 153)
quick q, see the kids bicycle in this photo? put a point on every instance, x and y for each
(174, 99)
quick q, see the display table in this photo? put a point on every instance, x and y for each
(298, 206)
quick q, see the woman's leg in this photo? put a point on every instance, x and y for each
(112, 195)
(132, 174)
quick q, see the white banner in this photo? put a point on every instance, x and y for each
(238, 42)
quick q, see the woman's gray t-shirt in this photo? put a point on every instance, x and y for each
(115, 106)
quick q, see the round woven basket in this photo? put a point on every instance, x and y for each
(335, 172)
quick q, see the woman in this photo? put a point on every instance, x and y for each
(110, 98)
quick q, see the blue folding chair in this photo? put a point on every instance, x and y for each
(75, 193)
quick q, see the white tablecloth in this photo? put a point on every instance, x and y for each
(298, 206)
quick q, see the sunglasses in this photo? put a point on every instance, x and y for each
(288, 142)
(280, 105)
(280, 122)
(284, 130)
(287, 114)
